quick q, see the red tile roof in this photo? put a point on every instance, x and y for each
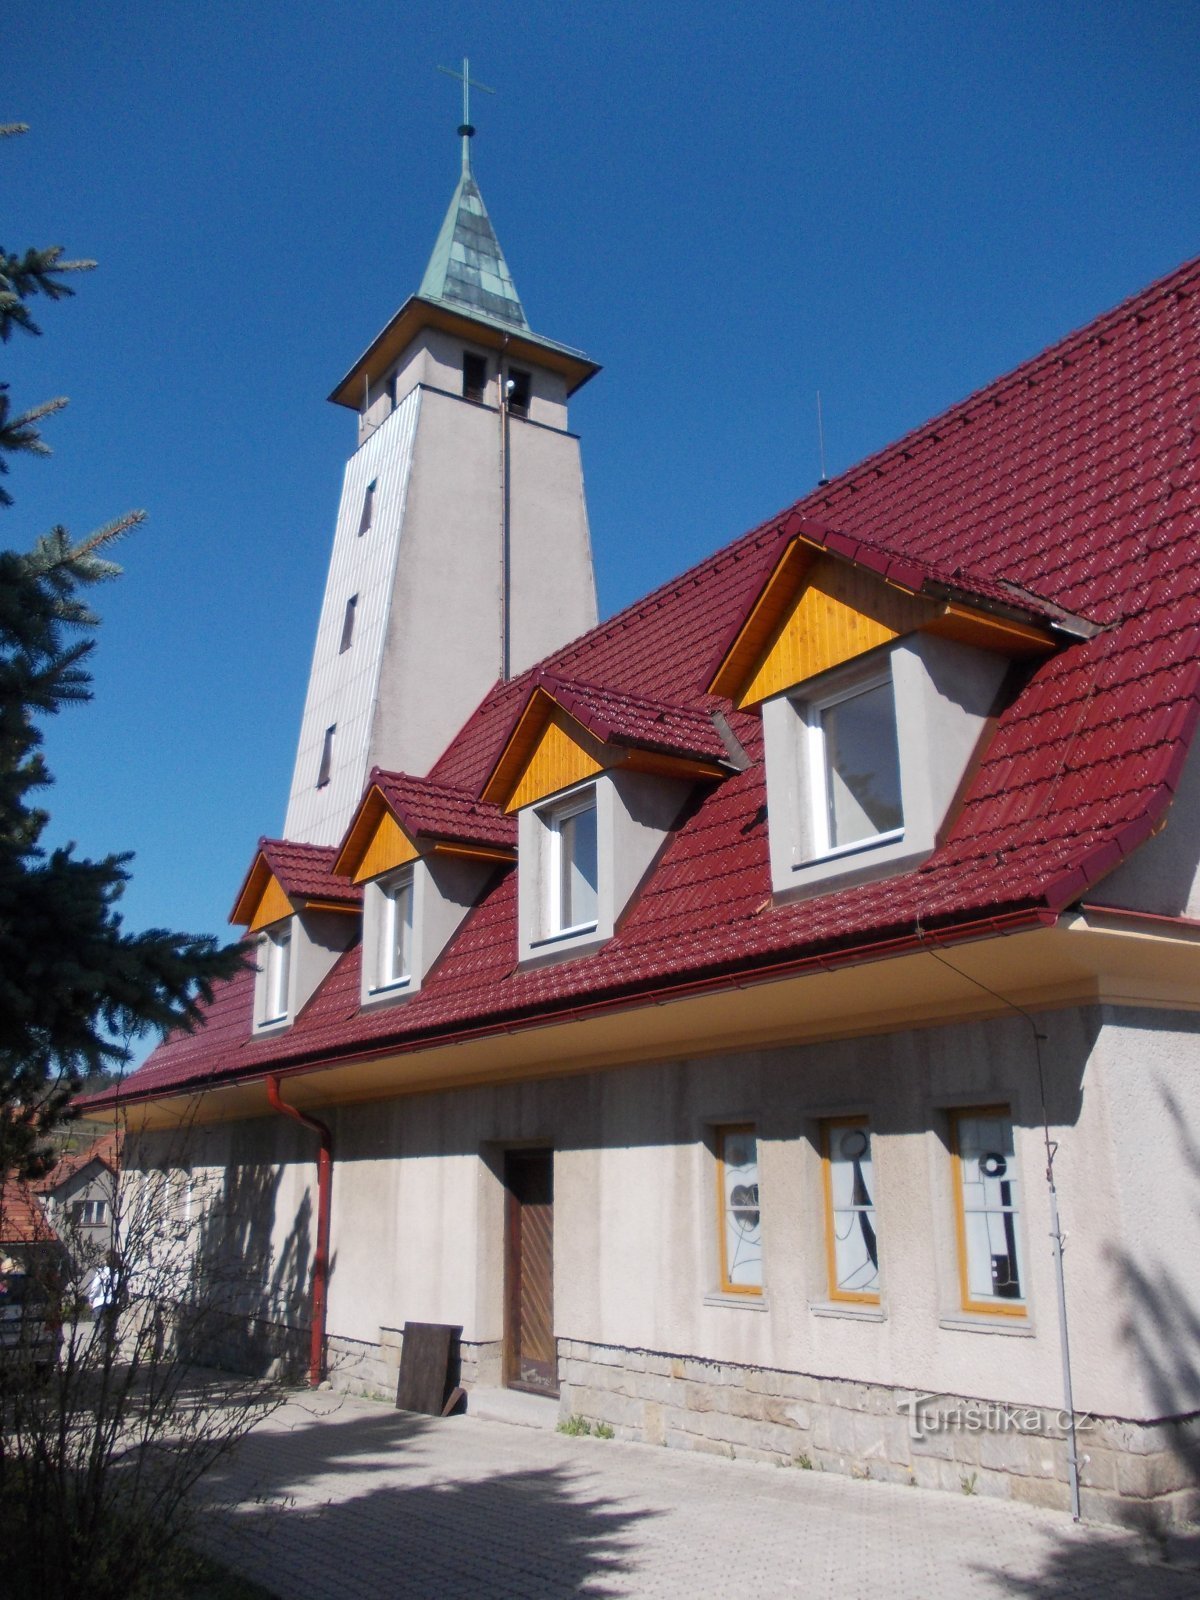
(429, 810)
(1072, 483)
(303, 871)
(105, 1149)
(635, 719)
(22, 1220)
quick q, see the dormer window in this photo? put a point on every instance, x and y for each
(597, 779)
(423, 852)
(302, 918)
(572, 880)
(877, 677)
(854, 766)
(275, 973)
(395, 923)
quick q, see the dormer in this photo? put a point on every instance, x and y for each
(877, 677)
(596, 779)
(302, 919)
(422, 853)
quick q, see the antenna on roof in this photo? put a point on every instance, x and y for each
(824, 478)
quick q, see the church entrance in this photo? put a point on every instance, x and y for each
(530, 1355)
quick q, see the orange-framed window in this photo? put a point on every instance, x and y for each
(739, 1217)
(991, 1268)
(851, 1235)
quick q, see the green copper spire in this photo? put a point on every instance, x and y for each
(467, 269)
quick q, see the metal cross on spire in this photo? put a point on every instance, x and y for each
(466, 131)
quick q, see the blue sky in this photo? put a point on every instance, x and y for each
(730, 208)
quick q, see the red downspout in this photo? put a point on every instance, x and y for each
(320, 1280)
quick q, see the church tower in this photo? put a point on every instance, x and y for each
(461, 554)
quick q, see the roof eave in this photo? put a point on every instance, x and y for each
(417, 313)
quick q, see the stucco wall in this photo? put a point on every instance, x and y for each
(418, 1208)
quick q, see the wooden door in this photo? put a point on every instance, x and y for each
(531, 1357)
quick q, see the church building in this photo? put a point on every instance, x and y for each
(722, 1012)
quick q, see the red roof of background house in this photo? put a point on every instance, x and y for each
(22, 1220)
(1074, 482)
(429, 810)
(105, 1149)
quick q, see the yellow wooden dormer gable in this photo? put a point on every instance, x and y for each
(564, 754)
(818, 610)
(263, 899)
(376, 842)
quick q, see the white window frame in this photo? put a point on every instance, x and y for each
(553, 818)
(817, 762)
(943, 693)
(275, 947)
(393, 891)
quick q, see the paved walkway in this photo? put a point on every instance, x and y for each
(336, 1499)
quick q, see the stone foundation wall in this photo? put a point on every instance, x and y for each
(1131, 1472)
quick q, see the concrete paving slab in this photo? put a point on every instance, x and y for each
(341, 1499)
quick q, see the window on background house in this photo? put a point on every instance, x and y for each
(367, 519)
(854, 767)
(739, 1218)
(572, 877)
(987, 1209)
(326, 767)
(474, 379)
(518, 386)
(394, 949)
(275, 957)
(851, 1240)
(348, 624)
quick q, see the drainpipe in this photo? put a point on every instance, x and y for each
(505, 516)
(320, 1283)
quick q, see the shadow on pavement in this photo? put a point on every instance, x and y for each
(290, 1511)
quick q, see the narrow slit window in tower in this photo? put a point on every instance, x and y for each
(368, 510)
(348, 624)
(326, 757)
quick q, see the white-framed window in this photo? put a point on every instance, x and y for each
(991, 1268)
(348, 617)
(572, 881)
(863, 761)
(275, 965)
(739, 1215)
(853, 762)
(393, 949)
(851, 1237)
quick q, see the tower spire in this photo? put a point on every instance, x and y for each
(466, 131)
